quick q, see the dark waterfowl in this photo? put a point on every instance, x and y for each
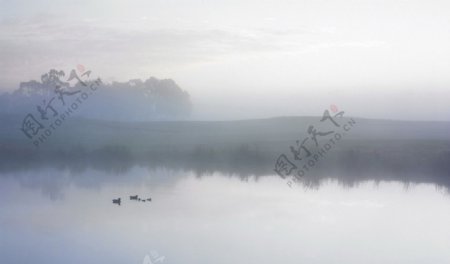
(133, 197)
(116, 201)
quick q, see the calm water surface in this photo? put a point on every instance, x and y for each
(57, 216)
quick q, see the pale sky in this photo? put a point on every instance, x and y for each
(246, 58)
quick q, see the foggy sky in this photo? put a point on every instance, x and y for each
(247, 58)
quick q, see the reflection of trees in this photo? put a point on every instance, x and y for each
(349, 166)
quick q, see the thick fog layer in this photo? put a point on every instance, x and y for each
(246, 59)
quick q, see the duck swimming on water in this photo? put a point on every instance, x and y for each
(116, 201)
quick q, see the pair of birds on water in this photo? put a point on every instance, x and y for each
(118, 201)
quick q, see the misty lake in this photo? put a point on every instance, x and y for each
(224, 132)
(53, 215)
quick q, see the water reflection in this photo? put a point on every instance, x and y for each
(223, 209)
(217, 219)
(94, 173)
